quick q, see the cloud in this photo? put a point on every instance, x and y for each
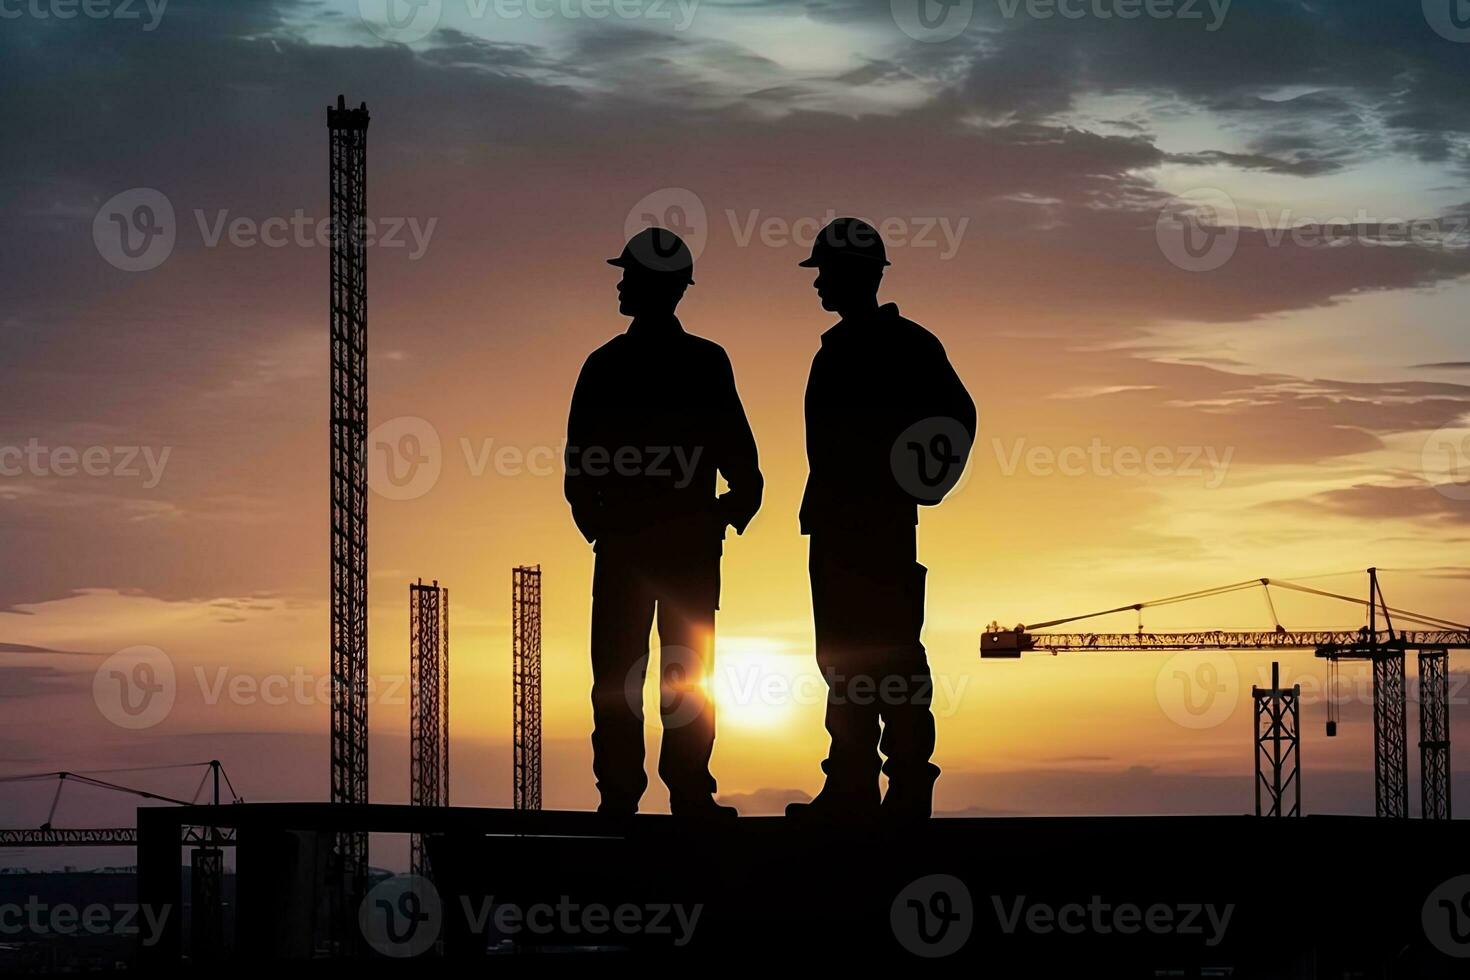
(22, 683)
(1410, 501)
(28, 648)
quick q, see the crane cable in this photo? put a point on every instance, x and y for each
(1265, 583)
(61, 777)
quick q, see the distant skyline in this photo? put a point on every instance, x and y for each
(1205, 277)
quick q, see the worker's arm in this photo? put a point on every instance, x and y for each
(581, 489)
(739, 463)
(821, 454)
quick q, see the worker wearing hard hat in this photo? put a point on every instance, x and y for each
(889, 426)
(654, 417)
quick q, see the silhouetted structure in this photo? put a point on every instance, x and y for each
(525, 671)
(207, 914)
(349, 492)
(428, 704)
(761, 898)
(1434, 734)
(48, 835)
(1384, 648)
(655, 419)
(1278, 747)
(1390, 713)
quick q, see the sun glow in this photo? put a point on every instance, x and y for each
(758, 682)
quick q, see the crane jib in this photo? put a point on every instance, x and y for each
(1010, 644)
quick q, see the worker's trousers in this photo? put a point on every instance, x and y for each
(627, 595)
(868, 608)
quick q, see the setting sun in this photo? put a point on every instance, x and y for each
(757, 682)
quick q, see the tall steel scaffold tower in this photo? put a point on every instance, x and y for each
(349, 418)
(428, 704)
(1278, 748)
(1434, 734)
(526, 684)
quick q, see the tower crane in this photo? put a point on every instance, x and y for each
(1384, 645)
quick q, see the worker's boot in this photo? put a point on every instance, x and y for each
(617, 812)
(902, 806)
(832, 808)
(910, 796)
(702, 808)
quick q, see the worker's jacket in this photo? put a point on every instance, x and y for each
(655, 415)
(880, 392)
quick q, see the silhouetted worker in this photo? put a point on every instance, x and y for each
(889, 427)
(654, 417)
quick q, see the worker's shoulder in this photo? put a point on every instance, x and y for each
(917, 334)
(612, 356)
(608, 350)
(703, 345)
(705, 349)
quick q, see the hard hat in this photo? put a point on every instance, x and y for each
(847, 238)
(657, 250)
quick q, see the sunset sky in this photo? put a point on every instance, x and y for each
(1151, 421)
